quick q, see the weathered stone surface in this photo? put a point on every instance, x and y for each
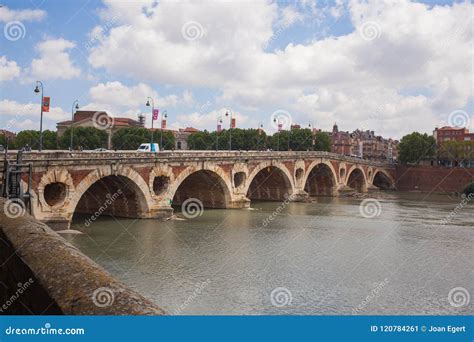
(67, 281)
(141, 185)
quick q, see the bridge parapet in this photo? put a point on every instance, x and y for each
(66, 182)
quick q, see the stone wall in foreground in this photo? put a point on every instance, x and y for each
(433, 178)
(41, 273)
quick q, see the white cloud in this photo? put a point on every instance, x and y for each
(18, 116)
(54, 61)
(421, 57)
(9, 70)
(123, 101)
(7, 14)
(209, 120)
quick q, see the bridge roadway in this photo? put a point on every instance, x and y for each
(142, 185)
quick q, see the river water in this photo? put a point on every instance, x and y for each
(314, 258)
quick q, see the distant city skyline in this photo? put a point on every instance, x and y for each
(392, 68)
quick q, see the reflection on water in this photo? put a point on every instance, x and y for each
(326, 257)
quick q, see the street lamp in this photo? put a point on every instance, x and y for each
(278, 131)
(37, 90)
(219, 121)
(230, 128)
(260, 126)
(163, 115)
(148, 101)
(311, 127)
(75, 105)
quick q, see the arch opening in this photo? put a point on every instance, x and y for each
(239, 179)
(55, 193)
(160, 184)
(270, 184)
(206, 186)
(356, 180)
(320, 181)
(382, 181)
(115, 196)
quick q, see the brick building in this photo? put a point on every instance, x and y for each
(98, 119)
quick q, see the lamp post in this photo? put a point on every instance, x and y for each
(219, 121)
(311, 127)
(278, 131)
(163, 115)
(40, 84)
(260, 126)
(75, 105)
(148, 101)
(230, 128)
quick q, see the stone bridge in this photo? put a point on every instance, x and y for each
(138, 185)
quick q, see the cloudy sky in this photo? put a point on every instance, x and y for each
(393, 66)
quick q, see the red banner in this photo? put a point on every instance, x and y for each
(46, 101)
(155, 114)
(219, 128)
(232, 123)
(163, 124)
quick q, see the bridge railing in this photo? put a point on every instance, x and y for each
(141, 157)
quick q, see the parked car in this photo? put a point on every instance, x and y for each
(147, 147)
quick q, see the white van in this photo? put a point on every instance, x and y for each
(148, 148)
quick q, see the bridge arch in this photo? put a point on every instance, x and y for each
(320, 179)
(383, 180)
(208, 184)
(270, 182)
(356, 179)
(118, 192)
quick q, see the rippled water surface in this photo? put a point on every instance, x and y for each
(316, 258)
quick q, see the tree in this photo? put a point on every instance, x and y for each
(130, 138)
(416, 146)
(201, 141)
(89, 138)
(323, 142)
(456, 151)
(32, 138)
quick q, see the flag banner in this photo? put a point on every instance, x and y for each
(163, 124)
(280, 127)
(232, 123)
(219, 128)
(251, 328)
(46, 101)
(155, 114)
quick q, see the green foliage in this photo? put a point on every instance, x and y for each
(300, 140)
(89, 138)
(202, 141)
(323, 142)
(415, 147)
(32, 138)
(130, 138)
(242, 139)
(456, 150)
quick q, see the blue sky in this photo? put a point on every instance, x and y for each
(393, 67)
